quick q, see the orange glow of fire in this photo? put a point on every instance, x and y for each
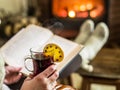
(93, 14)
(86, 7)
(63, 13)
(83, 14)
(71, 14)
(78, 8)
(89, 6)
(83, 8)
(96, 12)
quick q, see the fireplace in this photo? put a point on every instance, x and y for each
(72, 12)
(79, 9)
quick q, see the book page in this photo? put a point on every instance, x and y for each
(19, 45)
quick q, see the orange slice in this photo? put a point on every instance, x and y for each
(53, 50)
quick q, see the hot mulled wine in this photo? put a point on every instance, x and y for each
(40, 65)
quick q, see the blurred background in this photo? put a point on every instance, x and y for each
(64, 18)
(15, 14)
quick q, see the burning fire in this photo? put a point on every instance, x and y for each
(78, 8)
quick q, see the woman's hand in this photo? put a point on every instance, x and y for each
(12, 74)
(46, 80)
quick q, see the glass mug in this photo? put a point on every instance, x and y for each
(39, 60)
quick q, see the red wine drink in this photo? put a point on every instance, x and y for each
(39, 61)
(40, 64)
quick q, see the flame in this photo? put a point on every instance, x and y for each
(89, 6)
(71, 14)
(83, 8)
(62, 13)
(74, 8)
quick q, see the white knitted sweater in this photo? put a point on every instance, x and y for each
(2, 71)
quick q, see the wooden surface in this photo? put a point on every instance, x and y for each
(106, 64)
(100, 83)
(113, 20)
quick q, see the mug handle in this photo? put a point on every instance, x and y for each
(28, 58)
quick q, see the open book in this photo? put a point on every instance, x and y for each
(17, 48)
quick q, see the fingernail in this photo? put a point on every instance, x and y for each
(55, 66)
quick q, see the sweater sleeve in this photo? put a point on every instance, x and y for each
(2, 71)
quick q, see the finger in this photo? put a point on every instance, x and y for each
(16, 69)
(13, 79)
(17, 77)
(47, 72)
(53, 77)
(13, 69)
